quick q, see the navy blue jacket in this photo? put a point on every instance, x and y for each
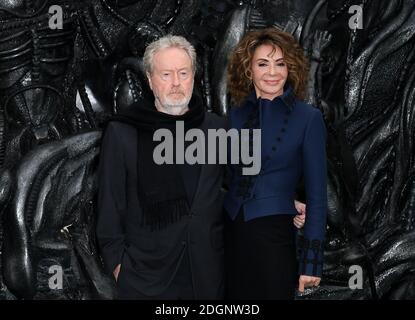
(293, 145)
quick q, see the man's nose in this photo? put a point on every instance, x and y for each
(176, 79)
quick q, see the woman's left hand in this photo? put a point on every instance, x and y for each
(307, 281)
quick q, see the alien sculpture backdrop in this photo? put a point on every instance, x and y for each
(57, 87)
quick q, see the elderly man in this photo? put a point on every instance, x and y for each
(160, 227)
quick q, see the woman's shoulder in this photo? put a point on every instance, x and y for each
(307, 110)
(312, 117)
(242, 110)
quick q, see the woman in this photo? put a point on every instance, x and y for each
(267, 78)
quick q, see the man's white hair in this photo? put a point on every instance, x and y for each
(168, 41)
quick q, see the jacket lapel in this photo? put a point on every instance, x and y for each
(203, 167)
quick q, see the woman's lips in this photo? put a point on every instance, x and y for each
(272, 82)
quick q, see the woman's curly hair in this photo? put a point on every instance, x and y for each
(239, 76)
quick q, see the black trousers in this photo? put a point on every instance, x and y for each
(260, 258)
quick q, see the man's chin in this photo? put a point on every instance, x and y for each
(176, 104)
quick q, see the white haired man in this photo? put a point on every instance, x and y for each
(160, 227)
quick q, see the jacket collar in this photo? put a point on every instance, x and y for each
(288, 97)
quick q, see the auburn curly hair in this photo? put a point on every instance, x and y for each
(239, 67)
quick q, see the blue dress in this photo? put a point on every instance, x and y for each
(261, 248)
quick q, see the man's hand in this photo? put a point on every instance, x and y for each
(307, 281)
(116, 271)
(299, 219)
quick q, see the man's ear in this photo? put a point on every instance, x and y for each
(149, 80)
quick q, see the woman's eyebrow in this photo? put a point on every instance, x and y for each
(266, 60)
(262, 59)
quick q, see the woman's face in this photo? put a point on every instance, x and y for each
(269, 71)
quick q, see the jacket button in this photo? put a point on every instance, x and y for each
(274, 148)
(283, 130)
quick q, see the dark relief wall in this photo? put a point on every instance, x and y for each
(57, 86)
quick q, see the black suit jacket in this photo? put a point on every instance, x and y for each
(149, 259)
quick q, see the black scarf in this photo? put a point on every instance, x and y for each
(161, 189)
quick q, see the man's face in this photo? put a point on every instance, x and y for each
(172, 80)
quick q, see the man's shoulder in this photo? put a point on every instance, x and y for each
(120, 125)
(215, 121)
(120, 129)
